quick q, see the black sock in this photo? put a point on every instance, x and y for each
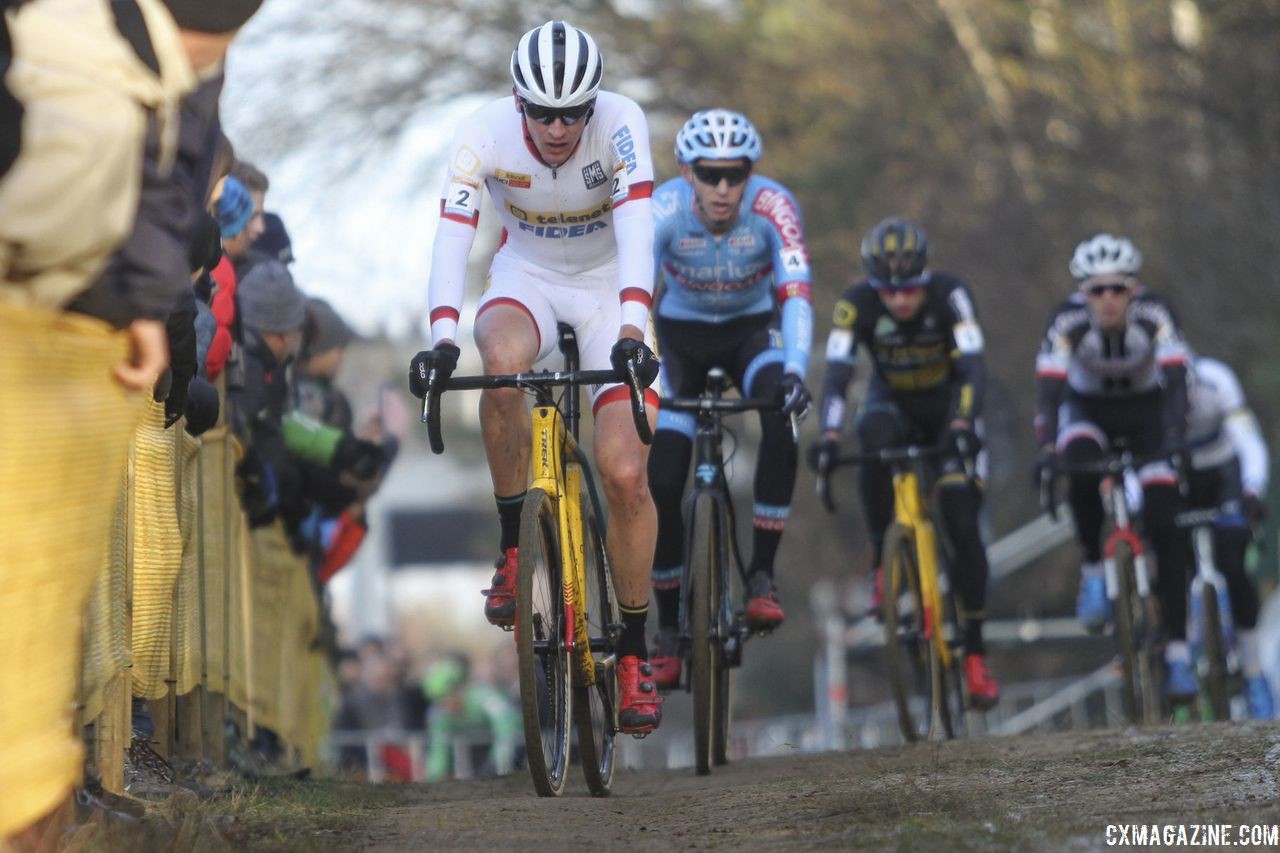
(509, 518)
(764, 547)
(973, 637)
(632, 641)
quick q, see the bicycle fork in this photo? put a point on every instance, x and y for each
(910, 512)
(550, 440)
(1123, 531)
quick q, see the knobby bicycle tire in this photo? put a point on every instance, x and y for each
(595, 706)
(1215, 654)
(722, 683)
(545, 696)
(906, 649)
(704, 604)
(1131, 625)
(948, 701)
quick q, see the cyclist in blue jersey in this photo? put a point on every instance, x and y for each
(734, 284)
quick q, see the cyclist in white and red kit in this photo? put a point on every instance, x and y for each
(568, 169)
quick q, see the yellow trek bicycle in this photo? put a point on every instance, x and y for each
(917, 609)
(567, 623)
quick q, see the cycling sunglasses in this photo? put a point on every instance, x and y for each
(1116, 289)
(548, 115)
(906, 288)
(712, 176)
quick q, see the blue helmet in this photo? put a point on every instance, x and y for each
(718, 135)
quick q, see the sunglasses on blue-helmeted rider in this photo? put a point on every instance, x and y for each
(713, 175)
(548, 115)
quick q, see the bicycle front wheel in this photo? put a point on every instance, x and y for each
(543, 659)
(947, 694)
(1129, 633)
(595, 706)
(907, 650)
(1215, 654)
(704, 594)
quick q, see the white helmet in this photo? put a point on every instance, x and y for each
(556, 65)
(1104, 254)
(718, 135)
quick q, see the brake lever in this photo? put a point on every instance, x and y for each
(639, 409)
(823, 482)
(1048, 503)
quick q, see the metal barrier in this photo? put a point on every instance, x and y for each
(374, 744)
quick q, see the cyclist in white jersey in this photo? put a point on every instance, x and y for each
(568, 168)
(1229, 470)
(1113, 367)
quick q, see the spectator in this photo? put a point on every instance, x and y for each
(460, 705)
(273, 313)
(234, 208)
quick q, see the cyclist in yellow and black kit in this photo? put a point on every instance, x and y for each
(921, 330)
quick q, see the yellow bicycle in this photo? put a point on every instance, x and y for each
(917, 608)
(567, 623)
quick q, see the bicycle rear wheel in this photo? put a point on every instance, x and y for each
(704, 606)
(907, 651)
(595, 706)
(1214, 654)
(543, 660)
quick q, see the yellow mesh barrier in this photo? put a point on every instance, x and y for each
(106, 651)
(187, 623)
(275, 672)
(220, 520)
(157, 552)
(64, 438)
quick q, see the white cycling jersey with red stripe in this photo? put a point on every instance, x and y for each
(590, 212)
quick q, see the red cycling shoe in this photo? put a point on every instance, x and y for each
(639, 705)
(984, 690)
(500, 597)
(764, 613)
(665, 660)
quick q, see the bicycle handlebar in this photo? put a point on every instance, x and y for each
(889, 456)
(540, 380)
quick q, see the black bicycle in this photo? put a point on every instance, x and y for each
(712, 630)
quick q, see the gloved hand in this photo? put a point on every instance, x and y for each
(638, 353)
(175, 405)
(361, 459)
(963, 440)
(823, 453)
(1180, 461)
(202, 406)
(444, 358)
(1254, 509)
(1046, 465)
(257, 487)
(793, 396)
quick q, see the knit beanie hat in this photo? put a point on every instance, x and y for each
(270, 301)
(325, 328)
(235, 208)
(212, 16)
(275, 239)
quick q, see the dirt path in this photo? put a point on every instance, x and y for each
(1043, 792)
